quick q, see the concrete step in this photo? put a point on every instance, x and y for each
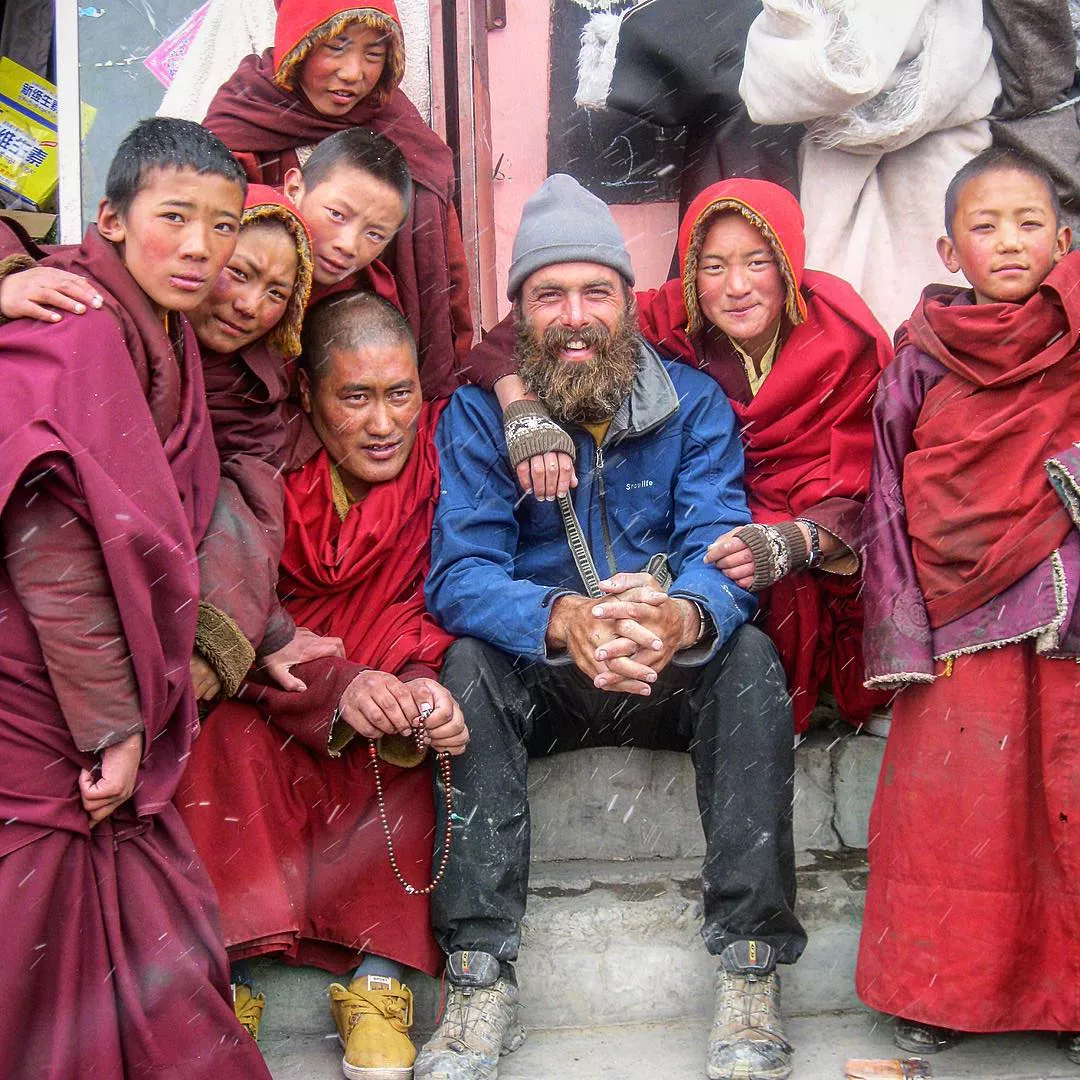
(676, 1051)
(637, 804)
(607, 942)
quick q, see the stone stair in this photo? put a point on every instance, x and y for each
(612, 930)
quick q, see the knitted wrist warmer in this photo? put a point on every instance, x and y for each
(777, 550)
(530, 431)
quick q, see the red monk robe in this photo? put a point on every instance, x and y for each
(279, 799)
(113, 966)
(806, 433)
(263, 117)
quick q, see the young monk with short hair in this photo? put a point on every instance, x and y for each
(333, 67)
(113, 965)
(971, 585)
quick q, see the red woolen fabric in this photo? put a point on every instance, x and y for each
(292, 837)
(378, 557)
(131, 981)
(973, 901)
(1014, 374)
(252, 115)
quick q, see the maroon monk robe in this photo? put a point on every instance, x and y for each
(279, 799)
(113, 963)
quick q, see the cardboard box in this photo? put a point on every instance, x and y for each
(28, 146)
(37, 226)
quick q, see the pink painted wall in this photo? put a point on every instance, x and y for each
(518, 59)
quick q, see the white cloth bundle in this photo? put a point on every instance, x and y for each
(894, 94)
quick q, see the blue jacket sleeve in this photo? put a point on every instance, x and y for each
(471, 588)
(709, 500)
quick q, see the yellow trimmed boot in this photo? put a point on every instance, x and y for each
(248, 1008)
(373, 1018)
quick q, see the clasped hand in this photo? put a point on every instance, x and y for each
(623, 641)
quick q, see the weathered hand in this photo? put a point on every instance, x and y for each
(445, 723)
(573, 627)
(652, 628)
(42, 292)
(119, 771)
(732, 557)
(305, 645)
(547, 475)
(376, 703)
(204, 679)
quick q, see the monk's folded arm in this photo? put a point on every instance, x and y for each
(59, 573)
(309, 716)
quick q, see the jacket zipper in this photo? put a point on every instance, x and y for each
(609, 551)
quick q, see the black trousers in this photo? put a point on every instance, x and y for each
(733, 715)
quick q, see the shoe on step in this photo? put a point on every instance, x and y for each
(373, 1017)
(248, 1008)
(918, 1038)
(747, 1040)
(480, 1022)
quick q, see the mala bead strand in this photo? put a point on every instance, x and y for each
(420, 734)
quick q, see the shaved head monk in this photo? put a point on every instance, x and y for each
(280, 795)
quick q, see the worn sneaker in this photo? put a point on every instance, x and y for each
(248, 1008)
(480, 1022)
(747, 1040)
(919, 1038)
(1070, 1043)
(373, 1018)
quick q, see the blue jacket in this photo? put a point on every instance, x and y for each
(667, 477)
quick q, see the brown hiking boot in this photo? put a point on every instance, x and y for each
(479, 1024)
(747, 1040)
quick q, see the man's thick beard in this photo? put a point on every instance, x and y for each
(579, 392)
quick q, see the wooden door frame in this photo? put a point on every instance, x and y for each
(461, 114)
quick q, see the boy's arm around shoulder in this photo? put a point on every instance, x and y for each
(471, 588)
(709, 500)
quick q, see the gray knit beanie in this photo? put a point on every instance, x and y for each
(561, 223)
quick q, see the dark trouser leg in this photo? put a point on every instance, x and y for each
(742, 753)
(481, 900)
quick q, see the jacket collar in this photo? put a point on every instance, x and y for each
(652, 400)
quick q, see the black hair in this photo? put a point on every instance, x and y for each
(359, 148)
(350, 323)
(998, 159)
(165, 142)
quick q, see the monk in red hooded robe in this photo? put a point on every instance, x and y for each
(334, 67)
(113, 966)
(280, 795)
(799, 355)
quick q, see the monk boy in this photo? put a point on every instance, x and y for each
(972, 579)
(108, 474)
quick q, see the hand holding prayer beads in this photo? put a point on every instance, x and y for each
(421, 735)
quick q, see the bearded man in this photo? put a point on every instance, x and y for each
(550, 658)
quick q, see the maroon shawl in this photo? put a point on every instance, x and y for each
(981, 511)
(121, 419)
(252, 115)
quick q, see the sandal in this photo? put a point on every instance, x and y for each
(918, 1038)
